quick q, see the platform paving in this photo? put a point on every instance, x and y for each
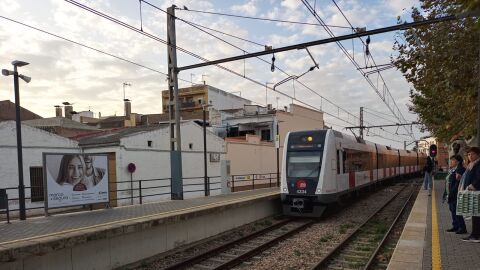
(39, 227)
(454, 253)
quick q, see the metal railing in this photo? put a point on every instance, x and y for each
(253, 181)
(137, 191)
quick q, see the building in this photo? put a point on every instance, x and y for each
(250, 135)
(61, 126)
(192, 98)
(7, 112)
(146, 147)
(149, 149)
(35, 142)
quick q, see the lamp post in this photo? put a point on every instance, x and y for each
(21, 186)
(205, 179)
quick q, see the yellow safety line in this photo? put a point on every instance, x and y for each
(436, 257)
(142, 217)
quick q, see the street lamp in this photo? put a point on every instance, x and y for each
(205, 179)
(21, 186)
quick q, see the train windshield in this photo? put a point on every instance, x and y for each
(304, 164)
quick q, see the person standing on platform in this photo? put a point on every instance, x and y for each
(427, 180)
(455, 175)
(472, 182)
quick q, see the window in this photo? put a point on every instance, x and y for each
(36, 184)
(265, 133)
(357, 161)
(338, 161)
(190, 146)
(304, 164)
(149, 143)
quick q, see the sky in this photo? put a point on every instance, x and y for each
(65, 71)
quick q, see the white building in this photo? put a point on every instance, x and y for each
(35, 142)
(147, 147)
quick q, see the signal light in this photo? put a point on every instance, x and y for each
(433, 150)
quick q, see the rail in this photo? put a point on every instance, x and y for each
(241, 182)
(139, 191)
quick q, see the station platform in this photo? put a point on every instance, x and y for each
(114, 237)
(425, 243)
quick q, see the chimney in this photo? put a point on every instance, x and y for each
(128, 108)
(58, 111)
(68, 109)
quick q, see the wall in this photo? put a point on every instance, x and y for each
(154, 162)
(35, 142)
(222, 100)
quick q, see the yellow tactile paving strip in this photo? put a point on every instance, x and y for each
(436, 257)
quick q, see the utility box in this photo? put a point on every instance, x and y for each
(226, 176)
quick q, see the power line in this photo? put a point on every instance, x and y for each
(87, 46)
(197, 56)
(398, 115)
(261, 19)
(293, 98)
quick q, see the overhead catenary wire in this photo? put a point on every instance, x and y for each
(400, 116)
(357, 66)
(188, 52)
(198, 57)
(237, 47)
(260, 18)
(87, 46)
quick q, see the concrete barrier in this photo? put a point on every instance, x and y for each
(120, 243)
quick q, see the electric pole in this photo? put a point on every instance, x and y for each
(174, 109)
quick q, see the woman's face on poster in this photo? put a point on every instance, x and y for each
(75, 170)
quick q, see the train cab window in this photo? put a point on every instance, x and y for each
(304, 164)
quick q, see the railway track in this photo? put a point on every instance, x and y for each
(360, 248)
(236, 252)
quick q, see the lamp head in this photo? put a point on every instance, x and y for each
(25, 78)
(6, 72)
(19, 63)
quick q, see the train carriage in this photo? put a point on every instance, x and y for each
(320, 166)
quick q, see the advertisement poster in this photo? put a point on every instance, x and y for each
(75, 179)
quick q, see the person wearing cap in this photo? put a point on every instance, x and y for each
(472, 182)
(453, 181)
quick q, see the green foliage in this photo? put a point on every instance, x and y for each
(441, 61)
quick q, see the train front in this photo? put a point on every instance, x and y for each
(302, 164)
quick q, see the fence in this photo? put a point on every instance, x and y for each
(253, 181)
(142, 191)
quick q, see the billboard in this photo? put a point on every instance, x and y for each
(75, 179)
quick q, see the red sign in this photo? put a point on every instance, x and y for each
(301, 184)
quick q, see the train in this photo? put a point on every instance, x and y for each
(321, 167)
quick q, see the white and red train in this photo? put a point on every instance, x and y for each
(321, 166)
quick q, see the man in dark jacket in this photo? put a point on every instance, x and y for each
(456, 173)
(427, 181)
(472, 182)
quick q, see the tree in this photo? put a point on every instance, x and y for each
(441, 61)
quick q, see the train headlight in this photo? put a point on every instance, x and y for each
(285, 189)
(319, 191)
(309, 138)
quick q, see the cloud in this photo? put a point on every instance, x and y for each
(249, 8)
(63, 71)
